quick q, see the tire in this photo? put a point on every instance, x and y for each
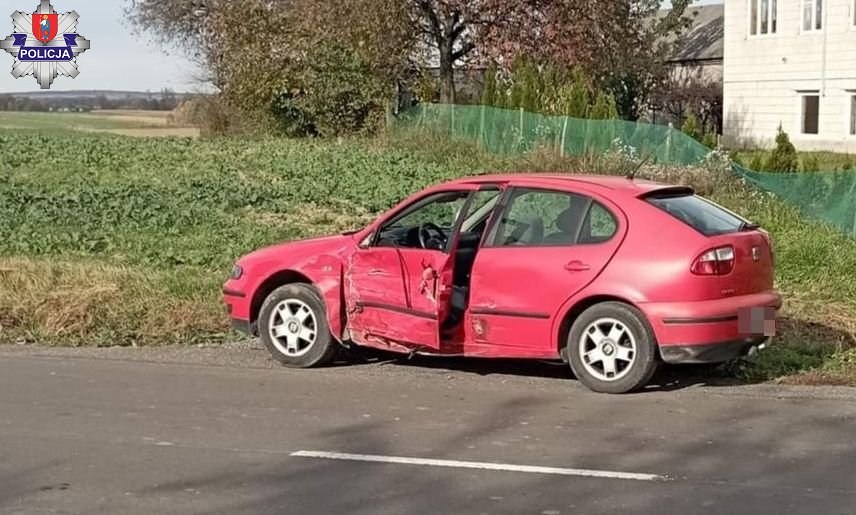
(296, 312)
(614, 333)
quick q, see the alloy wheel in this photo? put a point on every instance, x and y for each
(608, 350)
(293, 327)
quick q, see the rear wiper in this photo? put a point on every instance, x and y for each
(749, 226)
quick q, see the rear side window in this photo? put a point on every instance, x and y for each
(599, 225)
(699, 213)
(553, 218)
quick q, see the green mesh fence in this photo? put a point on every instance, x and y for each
(827, 196)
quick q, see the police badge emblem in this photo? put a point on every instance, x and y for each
(45, 44)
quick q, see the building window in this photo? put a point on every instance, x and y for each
(853, 114)
(812, 15)
(810, 120)
(763, 17)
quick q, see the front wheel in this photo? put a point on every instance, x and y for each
(293, 326)
(612, 349)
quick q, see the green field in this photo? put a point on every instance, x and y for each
(116, 240)
(128, 123)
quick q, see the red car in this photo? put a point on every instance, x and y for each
(612, 275)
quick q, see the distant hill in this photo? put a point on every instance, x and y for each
(92, 94)
(88, 100)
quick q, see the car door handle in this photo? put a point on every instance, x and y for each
(577, 266)
(377, 272)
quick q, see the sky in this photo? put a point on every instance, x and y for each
(118, 60)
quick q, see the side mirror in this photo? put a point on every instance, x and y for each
(367, 241)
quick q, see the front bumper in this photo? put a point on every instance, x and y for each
(237, 298)
(238, 307)
(242, 326)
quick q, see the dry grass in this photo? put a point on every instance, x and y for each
(74, 303)
(154, 132)
(844, 377)
(312, 218)
(831, 322)
(142, 114)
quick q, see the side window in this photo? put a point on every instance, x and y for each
(434, 216)
(540, 218)
(599, 226)
(483, 203)
(547, 218)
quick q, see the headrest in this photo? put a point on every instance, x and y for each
(566, 221)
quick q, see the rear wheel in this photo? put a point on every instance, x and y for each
(612, 349)
(293, 326)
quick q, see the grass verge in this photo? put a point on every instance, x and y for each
(76, 303)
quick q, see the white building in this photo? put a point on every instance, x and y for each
(790, 63)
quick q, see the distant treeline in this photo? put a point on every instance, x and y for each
(165, 100)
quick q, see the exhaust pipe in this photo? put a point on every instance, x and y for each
(755, 349)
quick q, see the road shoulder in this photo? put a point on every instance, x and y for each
(474, 373)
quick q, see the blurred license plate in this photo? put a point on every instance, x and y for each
(757, 322)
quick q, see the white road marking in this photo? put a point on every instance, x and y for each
(531, 469)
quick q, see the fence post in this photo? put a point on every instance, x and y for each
(481, 127)
(521, 123)
(564, 133)
(669, 143)
(452, 117)
(853, 189)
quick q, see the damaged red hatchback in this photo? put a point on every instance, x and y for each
(612, 275)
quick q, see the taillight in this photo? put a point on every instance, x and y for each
(715, 262)
(771, 247)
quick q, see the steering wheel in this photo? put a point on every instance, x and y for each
(425, 234)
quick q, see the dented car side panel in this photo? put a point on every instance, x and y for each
(376, 297)
(320, 261)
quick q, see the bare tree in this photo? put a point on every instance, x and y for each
(612, 40)
(685, 93)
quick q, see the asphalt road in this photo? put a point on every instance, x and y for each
(108, 433)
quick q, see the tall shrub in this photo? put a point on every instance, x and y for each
(691, 127)
(490, 86)
(604, 107)
(549, 90)
(784, 157)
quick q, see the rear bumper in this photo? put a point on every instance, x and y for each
(709, 331)
(710, 353)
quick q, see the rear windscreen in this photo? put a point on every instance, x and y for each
(700, 214)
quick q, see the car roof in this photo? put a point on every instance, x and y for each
(624, 185)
